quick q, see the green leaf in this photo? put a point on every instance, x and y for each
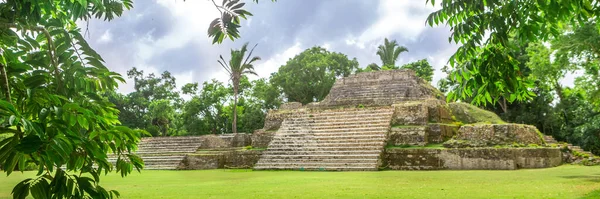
(82, 121)
(35, 81)
(21, 190)
(72, 119)
(41, 189)
(29, 144)
(6, 106)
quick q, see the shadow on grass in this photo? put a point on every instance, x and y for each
(591, 178)
(592, 195)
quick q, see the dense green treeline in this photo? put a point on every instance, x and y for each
(157, 104)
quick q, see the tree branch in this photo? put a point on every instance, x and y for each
(50, 46)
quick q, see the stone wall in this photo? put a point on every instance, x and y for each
(481, 135)
(408, 135)
(221, 160)
(421, 112)
(241, 140)
(438, 132)
(471, 158)
(379, 88)
(261, 138)
(213, 141)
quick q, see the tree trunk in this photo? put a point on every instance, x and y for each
(503, 105)
(234, 124)
(559, 91)
(5, 84)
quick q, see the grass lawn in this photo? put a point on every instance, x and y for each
(560, 182)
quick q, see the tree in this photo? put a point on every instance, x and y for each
(309, 76)
(228, 23)
(51, 105)
(486, 63)
(238, 66)
(204, 113)
(149, 89)
(389, 51)
(373, 66)
(423, 69)
(162, 114)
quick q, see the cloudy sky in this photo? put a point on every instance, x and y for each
(159, 35)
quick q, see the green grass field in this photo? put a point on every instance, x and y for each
(560, 182)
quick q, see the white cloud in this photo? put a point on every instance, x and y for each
(271, 65)
(406, 17)
(106, 37)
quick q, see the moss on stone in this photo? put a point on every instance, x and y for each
(469, 114)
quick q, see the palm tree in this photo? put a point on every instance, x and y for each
(237, 69)
(389, 52)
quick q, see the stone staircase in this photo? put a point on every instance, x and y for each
(165, 153)
(350, 139)
(550, 140)
(381, 88)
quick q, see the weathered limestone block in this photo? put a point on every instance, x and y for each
(439, 112)
(241, 159)
(421, 112)
(221, 160)
(408, 135)
(413, 113)
(438, 133)
(290, 106)
(261, 138)
(471, 158)
(241, 140)
(412, 159)
(213, 141)
(476, 159)
(200, 162)
(481, 135)
(540, 158)
(274, 118)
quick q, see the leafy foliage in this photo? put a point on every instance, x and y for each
(423, 69)
(309, 76)
(389, 52)
(228, 24)
(488, 63)
(52, 82)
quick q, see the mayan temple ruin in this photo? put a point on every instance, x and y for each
(369, 121)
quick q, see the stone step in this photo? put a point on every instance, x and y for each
(307, 139)
(349, 115)
(353, 152)
(346, 168)
(312, 144)
(351, 126)
(159, 147)
(292, 124)
(349, 110)
(301, 134)
(316, 164)
(350, 129)
(348, 160)
(164, 152)
(356, 141)
(325, 148)
(167, 145)
(320, 156)
(362, 132)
